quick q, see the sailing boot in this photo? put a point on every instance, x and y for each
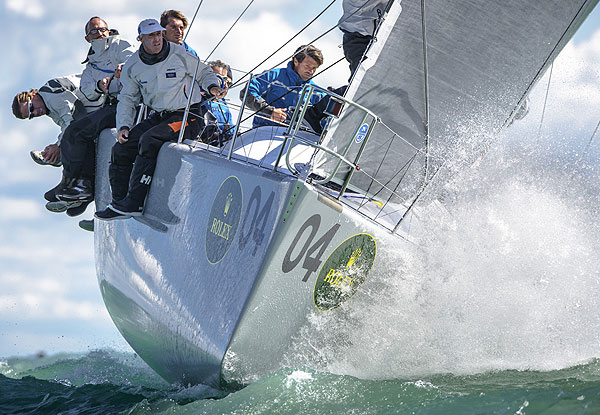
(36, 155)
(78, 210)
(87, 225)
(60, 206)
(50, 195)
(133, 203)
(77, 189)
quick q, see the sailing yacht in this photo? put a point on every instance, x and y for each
(239, 244)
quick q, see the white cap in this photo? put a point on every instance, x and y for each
(149, 26)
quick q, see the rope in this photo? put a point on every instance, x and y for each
(225, 35)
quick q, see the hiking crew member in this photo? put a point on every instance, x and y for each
(159, 75)
(59, 99)
(99, 82)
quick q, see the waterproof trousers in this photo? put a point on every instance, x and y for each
(78, 145)
(355, 45)
(138, 156)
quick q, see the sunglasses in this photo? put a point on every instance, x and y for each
(96, 31)
(225, 82)
(31, 108)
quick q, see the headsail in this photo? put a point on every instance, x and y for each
(479, 61)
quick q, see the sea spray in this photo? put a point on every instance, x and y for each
(505, 276)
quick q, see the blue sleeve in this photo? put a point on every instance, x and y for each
(259, 86)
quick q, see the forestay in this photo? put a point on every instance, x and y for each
(477, 64)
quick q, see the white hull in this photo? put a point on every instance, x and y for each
(211, 285)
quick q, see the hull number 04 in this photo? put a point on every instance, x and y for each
(310, 252)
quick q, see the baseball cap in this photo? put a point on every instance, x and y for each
(149, 26)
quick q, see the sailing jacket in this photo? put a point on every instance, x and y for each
(64, 101)
(277, 88)
(361, 18)
(220, 110)
(103, 58)
(163, 86)
(189, 48)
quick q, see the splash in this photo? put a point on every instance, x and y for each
(506, 278)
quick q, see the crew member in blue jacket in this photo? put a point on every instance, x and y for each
(175, 24)
(274, 91)
(219, 107)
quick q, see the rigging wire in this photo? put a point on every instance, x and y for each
(549, 57)
(288, 41)
(301, 30)
(545, 101)
(239, 81)
(405, 170)
(311, 42)
(192, 22)
(587, 148)
(225, 35)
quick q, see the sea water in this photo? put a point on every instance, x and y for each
(494, 311)
(106, 382)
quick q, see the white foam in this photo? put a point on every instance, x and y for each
(510, 283)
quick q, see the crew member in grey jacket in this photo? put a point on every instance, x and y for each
(100, 83)
(62, 101)
(160, 75)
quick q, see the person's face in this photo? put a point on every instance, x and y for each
(223, 73)
(306, 69)
(32, 108)
(175, 29)
(96, 29)
(153, 42)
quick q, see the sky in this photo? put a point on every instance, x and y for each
(49, 296)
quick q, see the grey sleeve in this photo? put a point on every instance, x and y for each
(257, 104)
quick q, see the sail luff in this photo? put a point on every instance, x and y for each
(426, 85)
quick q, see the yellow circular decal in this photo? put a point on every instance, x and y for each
(345, 270)
(224, 219)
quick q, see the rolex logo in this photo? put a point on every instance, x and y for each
(228, 203)
(355, 255)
